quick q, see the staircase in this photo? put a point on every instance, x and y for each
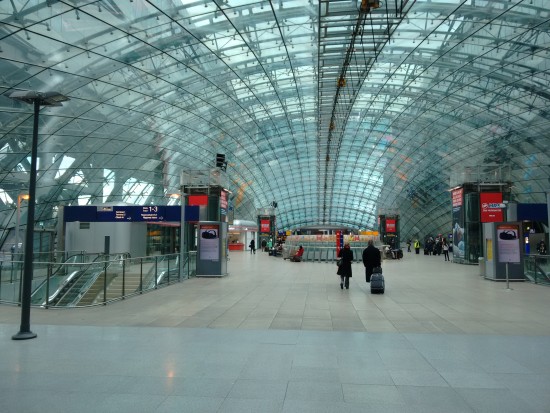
(114, 287)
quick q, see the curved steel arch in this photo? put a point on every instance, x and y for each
(159, 86)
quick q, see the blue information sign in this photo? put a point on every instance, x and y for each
(123, 213)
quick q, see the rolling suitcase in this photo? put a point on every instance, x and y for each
(377, 285)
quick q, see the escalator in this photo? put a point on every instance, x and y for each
(70, 284)
(71, 293)
(537, 269)
(77, 283)
(166, 270)
(65, 271)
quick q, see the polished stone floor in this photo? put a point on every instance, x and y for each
(276, 336)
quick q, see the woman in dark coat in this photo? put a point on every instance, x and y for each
(344, 270)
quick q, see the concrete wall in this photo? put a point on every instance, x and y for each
(125, 237)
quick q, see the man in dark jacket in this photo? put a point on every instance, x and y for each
(371, 259)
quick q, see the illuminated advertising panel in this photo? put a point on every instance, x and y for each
(197, 200)
(509, 248)
(339, 241)
(209, 246)
(457, 197)
(491, 207)
(264, 225)
(459, 244)
(223, 203)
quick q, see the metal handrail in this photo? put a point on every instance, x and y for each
(534, 271)
(322, 253)
(167, 271)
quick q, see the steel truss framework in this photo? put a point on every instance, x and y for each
(338, 110)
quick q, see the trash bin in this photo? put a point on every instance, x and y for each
(481, 262)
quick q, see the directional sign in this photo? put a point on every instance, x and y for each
(123, 213)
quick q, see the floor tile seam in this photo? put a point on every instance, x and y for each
(485, 371)
(400, 387)
(414, 346)
(232, 306)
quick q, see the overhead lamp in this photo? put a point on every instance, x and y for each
(37, 99)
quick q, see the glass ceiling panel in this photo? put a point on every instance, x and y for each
(335, 112)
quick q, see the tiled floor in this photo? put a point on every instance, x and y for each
(276, 336)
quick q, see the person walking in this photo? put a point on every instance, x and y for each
(252, 246)
(344, 270)
(417, 246)
(409, 245)
(446, 249)
(371, 259)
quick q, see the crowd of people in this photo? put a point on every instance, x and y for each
(437, 246)
(432, 246)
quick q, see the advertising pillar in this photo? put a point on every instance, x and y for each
(267, 235)
(389, 230)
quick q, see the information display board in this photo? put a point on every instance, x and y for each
(212, 249)
(502, 255)
(509, 248)
(210, 243)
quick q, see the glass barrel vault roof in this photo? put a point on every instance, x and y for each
(336, 110)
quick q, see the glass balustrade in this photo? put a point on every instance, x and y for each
(537, 269)
(93, 279)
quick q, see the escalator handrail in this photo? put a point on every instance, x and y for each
(149, 280)
(54, 273)
(91, 267)
(112, 259)
(72, 276)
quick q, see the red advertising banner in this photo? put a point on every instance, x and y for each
(339, 242)
(223, 205)
(264, 225)
(197, 200)
(457, 197)
(390, 225)
(491, 210)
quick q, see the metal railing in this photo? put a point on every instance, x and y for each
(537, 269)
(316, 251)
(84, 281)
